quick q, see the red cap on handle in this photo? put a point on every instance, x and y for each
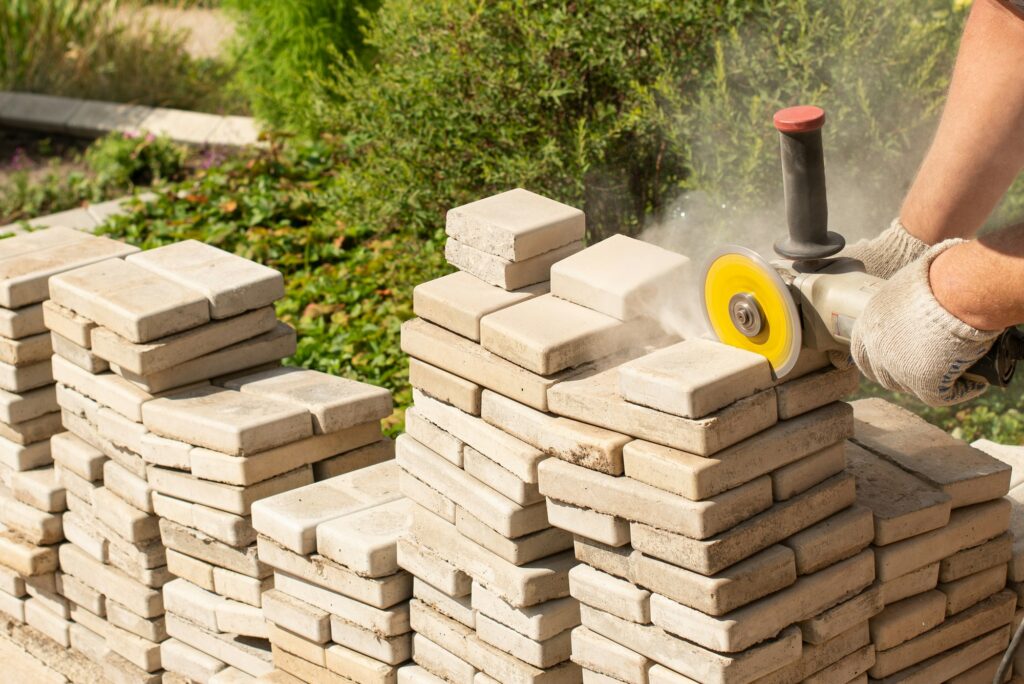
(800, 119)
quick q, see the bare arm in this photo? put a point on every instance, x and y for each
(979, 146)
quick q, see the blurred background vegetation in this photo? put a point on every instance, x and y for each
(652, 115)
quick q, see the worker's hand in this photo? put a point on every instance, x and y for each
(887, 253)
(906, 341)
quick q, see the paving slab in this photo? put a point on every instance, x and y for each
(994, 552)
(19, 407)
(78, 355)
(25, 378)
(906, 619)
(236, 131)
(445, 386)
(1011, 455)
(515, 225)
(610, 594)
(801, 475)
(807, 393)
(604, 656)
(37, 111)
(498, 478)
(93, 118)
(833, 539)
(334, 403)
(26, 351)
(965, 473)
(457, 608)
(910, 584)
(841, 618)
(181, 125)
(967, 591)
(459, 300)
(540, 622)
(23, 322)
(508, 275)
(584, 522)
(68, 324)
(960, 661)
(227, 498)
(623, 277)
(365, 541)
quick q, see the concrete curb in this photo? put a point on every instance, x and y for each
(86, 218)
(93, 118)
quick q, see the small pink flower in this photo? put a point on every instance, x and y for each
(131, 135)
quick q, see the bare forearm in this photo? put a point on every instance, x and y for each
(982, 282)
(979, 146)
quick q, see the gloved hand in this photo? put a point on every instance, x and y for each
(906, 341)
(887, 253)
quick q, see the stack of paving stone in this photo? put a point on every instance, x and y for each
(941, 547)
(31, 499)
(491, 573)
(252, 437)
(339, 609)
(125, 331)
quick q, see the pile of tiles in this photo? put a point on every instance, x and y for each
(339, 610)
(491, 572)
(124, 332)
(31, 499)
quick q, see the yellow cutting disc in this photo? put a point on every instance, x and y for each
(747, 305)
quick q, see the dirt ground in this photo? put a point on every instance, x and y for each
(38, 153)
(208, 29)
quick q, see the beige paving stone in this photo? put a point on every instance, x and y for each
(967, 591)
(353, 666)
(443, 349)
(497, 511)
(334, 403)
(612, 560)
(85, 537)
(76, 403)
(694, 378)
(297, 616)
(973, 622)
(25, 378)
(817, 389)
(27, 264)
(131, 523)
(233, 530)
(977, 558)
(87, 642)
(118, 670)
(850, 668)
(546, 335)
(639, 502)
(610, 594)
(623, 277)
(137, 598)
(445, 386)
(508, 275)
(459, 300)
(50, 624)
(967, 527)
(692, 660)
(80, 356)
(393, 621)
(1016, 499)
(133, 302)
(801, 475)
(457, 608)
(663, 675)
(297, 645)
(516, 456)
(601, 527)
(903, 505)
(224, 420)
(910, 584)
(198, 545)
(697, 477)
(141, 653)
(427, 497)
(520, 586)
(245, 656)
(108, 389)
(593, 397)
(431, 567)
(238, 587)
(438, 440)
(35, 526)
(25, 351)
(391, 650)
(172, 350)
(377, 452)
(414, 674)
(440, 662)
(519, 551)
(185, 600)
(365, 540)
(234, 617)
(539, 623)
(32, 430)
(231, 283)
(515, 225)
(594, 652)
(40, 489)
(959, 661)
(83, 595)
(127, 486)
(966, 474)
(841, 618)
(544, 654)
(20, 457)
(499, 479)
(833, 539)
(756, 622)
(763, 573)
(18, 323)
(187, 661)
(1011, 455)
(779, 522)
(68, 324)
(382, 592)
(194, 570)
(906, 619)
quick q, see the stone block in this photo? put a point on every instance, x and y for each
(698, 477)
(24, 322)
(306, 621)
(459, 300)
(519, 551)
(233, 530)
(636, 501)
(977, 558)
(228, 498)
(968, 475)
(187, 661)
(139, 599)
(245, 655)
(334, 403)
(35, 526)
(841, 618)
(47, 622)
(910, 584)
(363, 457)
(1011, 455)
(68, 324)
(609, 594)
(539, 623)
(1016, 527)
(598, 654)
(238, 587)
(967, 591)
(801, 475)
(500, 479)
(232, 422)
(391, 650)
(36, 111)
(365, 541)
(427, 497)
(435, 659)
(809, 392)
(25, 378)
(906, 619)
(80, 356)
(198, 545)
(93, 119)
(107, 389)
(584, 522)
(26, 351)
(832, 540)
(234, 617)
(546, 335)
(961, 660)
(457, 608)
(40, 489)
(515, 225)
(539, 654)
(192, 569)
(32, 430)
(25, 456)
(17, 408)
(623, 278)
(438, 440)
(430, 567)
(508, 275)
(444, 386)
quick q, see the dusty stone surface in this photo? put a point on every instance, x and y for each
(910, 584)
(816, 389)
(508, 275)
(17, 408)
(365, 541)
(584, 522)
(906, 619)
(23, 322)
(841, 618)
(540, 622)
(801, 475)
(975, 559)
(623, 277)
(816, 657)
(15, 379)
(966, 474)
(459, 300)
(967, 591)
(610, 594)
(68, 324)
(833, 539)
(960, 659)
(1009, 454)
(598, 654)
(25, 351)
(515, 225)
(227, 498)
(694, 378)
(80, 356)
(444, 386)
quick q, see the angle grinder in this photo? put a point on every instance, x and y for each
(808, 297)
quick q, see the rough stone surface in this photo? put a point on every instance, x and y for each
(68, 324)
(975, 559)
(583, 522)
(444, 386)
(807, 393)
(906, 619)
(459, 300)
(508, 275)
(834, 539)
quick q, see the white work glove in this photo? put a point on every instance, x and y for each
(893, 249)
(907, 342)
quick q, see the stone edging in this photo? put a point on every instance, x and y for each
(86, 218)
(93, 118)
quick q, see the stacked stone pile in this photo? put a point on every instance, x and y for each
(941, 547)
(339, 609)
(31, 498)
(491, 573)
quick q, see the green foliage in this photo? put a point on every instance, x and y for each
(126, 160)
(81, 48)
(282, 46)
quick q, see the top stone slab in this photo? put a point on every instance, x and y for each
(515, 225)
(459, 300)
(230, 283)
(137, 304)
(335, 403)
(27, 261)
(623, 278)
(694, 378)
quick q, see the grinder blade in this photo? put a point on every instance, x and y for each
(747, 305)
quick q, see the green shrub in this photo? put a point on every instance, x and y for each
(282, 46)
